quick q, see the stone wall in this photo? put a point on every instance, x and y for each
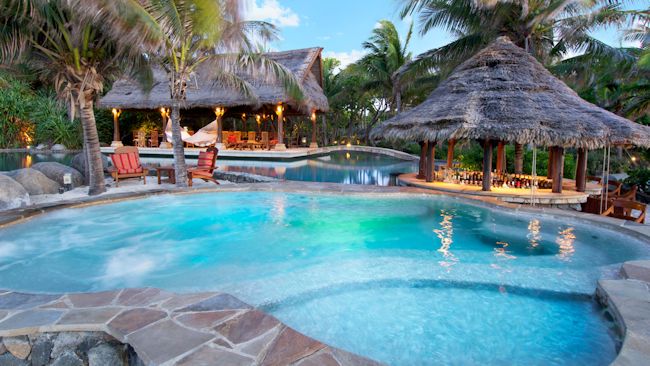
(66, 349)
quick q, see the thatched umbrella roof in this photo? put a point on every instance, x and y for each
(305, 64)
(503, 93)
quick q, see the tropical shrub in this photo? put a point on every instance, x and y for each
(639, 177)
(28, 117)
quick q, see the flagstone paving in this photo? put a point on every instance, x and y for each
(165, 328)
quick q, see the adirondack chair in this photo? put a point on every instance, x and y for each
(205, 167)
(126, 164)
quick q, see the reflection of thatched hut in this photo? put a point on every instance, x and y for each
(203, 93)
(503, 94)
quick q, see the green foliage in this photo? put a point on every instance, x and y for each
(639, 177)
(471, 157)
(36, 113)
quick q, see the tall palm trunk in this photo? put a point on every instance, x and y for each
(96, 181)
(179, 151)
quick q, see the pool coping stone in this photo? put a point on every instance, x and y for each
(242, 335)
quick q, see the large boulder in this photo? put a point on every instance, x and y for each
(12, 194)
(34, 181)
(79, 163)
(56, 171)
(58, 147)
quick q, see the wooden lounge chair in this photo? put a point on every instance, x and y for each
(126, 164)
(153, 139)
(623, 209)
(205, 167)
(251, 136)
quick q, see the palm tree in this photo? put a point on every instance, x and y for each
(71, 54)
(547, 29)
(189, 34)
(386, 54)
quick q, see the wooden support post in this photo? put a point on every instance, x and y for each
(500, 156)
(117, 137)
(280, 112)
(549, 170)
(450, 153)
(558, 169)
(422, 167)
(519, 159)
(487, 165)
(581, 170)
(431, 158)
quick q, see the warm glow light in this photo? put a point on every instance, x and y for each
(219, 111)
(534, 236)
(347, 156)
(258, 118)
(446, 236)
(279, 109)
(348, 144)
(565, 240)
(116, 112)
(634, 158)
(313, 116)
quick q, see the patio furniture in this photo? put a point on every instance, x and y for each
(171, 173)
(205, 167)
(624, 209)
(266, 142)
(251, 136)
(141, 139)
(153, 139)
(126, 164)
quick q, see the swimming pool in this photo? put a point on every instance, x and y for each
(347, 167)
(404, 280)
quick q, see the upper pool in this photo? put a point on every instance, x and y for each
(348, 167)
(405, 280)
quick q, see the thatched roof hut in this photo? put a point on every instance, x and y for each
(305, 64)
(504, 94)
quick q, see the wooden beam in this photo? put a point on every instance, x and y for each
(500, 156)
(549, 170)
(519, 159)
(450, 153)
(431, 158)
(581, 170)
(487, 165)
(558, 169)
(422, 167)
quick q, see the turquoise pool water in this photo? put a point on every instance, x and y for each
(407, 281)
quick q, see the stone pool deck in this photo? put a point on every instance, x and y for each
(628, 300)
(165, 328)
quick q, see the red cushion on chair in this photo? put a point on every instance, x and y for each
(232, 138)
(205, 159)
(127, 163)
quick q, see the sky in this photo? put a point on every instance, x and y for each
(341, 26)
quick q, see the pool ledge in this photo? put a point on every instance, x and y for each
(628, 300)
(166, 328)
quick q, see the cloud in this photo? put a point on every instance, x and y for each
(346, 58)
(272, 12)
(324, 38)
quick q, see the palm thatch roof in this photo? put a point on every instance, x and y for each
(202, 92)
(503, 93)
